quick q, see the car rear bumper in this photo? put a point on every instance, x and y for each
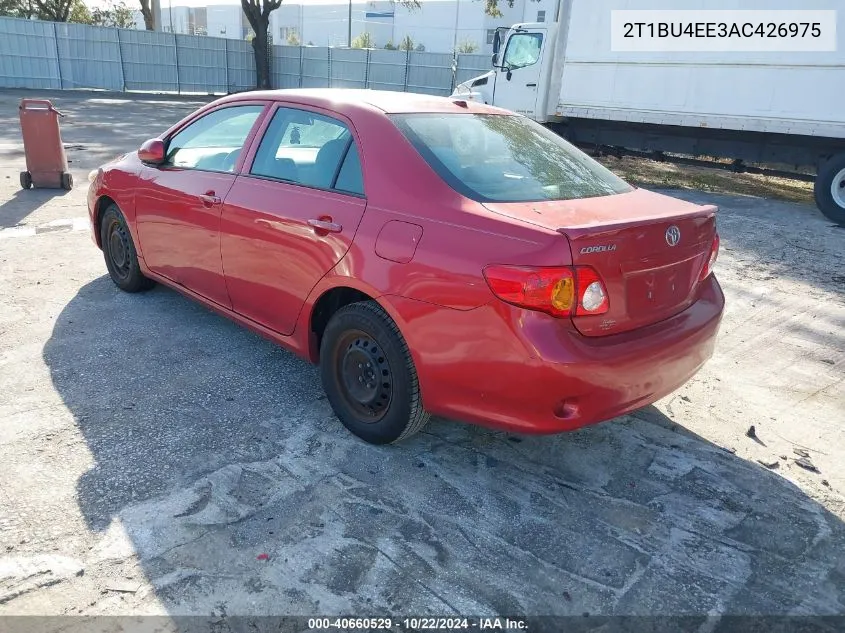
(524, 371)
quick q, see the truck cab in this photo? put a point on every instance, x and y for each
(523, 57)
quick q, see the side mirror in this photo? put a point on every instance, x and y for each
(152, 152)
(493, 59)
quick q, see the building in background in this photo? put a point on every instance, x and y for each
(185, 20)
(225, 20)
(439, 26)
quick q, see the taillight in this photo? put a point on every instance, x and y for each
(559, 291)
(592, 296)
(711, 258)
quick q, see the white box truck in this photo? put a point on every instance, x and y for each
(783, 104)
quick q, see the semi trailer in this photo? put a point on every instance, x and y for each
(753, 82)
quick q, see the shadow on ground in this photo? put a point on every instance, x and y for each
(24, 202)
(213, 447)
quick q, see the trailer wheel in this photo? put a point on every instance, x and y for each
(67, 181)
(26, 180)
(830, 189)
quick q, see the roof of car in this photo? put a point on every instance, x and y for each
(339, 99)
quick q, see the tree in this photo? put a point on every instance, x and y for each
(25, 9)
(364, 40)
(390, 46)
(54, 10)
(293, 39)
(149, 18)
(420, 48)
(491, 7)
(407, 44)
(79, 13)
(467, 47)
(116, 14)
(258, 15)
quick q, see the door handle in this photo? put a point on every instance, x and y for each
(209, 199)
(325, 225)
(531, 85)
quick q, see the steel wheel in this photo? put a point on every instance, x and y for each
(363, 373)
(369, 376)
(118, 249)
(119, 252)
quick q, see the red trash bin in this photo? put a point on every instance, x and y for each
(46, 162)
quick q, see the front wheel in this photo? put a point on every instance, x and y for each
(369, 376)
(830, 189)
(119, 252)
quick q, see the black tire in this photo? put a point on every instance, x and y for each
(393, 410)
(119, 252)
(67, 181)
(831, 169)
(26, 180)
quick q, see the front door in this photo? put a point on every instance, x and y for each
(178, 207)
(518, 83)
(289, 220)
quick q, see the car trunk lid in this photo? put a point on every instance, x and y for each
(649, 250)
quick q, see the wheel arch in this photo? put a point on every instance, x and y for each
(102, 203)
(330, 296)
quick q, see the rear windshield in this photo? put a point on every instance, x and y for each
(504, 158)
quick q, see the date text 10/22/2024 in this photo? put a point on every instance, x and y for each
(417, 624)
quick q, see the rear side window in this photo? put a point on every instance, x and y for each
(309, 149)
(349, 179)
(506, 158)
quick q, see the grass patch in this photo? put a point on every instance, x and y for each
(650, 173)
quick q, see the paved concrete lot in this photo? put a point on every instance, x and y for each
(151, 452)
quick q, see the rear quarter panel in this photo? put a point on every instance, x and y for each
(459, 237)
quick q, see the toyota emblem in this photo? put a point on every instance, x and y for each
(673, 235)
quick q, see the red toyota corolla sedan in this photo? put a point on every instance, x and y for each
(434, 256)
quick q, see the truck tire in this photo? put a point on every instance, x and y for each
(830, 188)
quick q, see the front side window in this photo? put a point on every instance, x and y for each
(213, 142)
(523, 50)
(506, 158)
(309, 149)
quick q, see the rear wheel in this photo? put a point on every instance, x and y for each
(119, 252)
(26, 180)
(830, 188)
(369, 376)
(67, 181)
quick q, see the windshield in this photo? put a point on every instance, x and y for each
(502, 158)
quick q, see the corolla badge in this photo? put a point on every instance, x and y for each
(673, 235)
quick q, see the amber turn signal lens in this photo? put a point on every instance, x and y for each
(563, 294)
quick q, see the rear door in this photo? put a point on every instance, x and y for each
(292, 216)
